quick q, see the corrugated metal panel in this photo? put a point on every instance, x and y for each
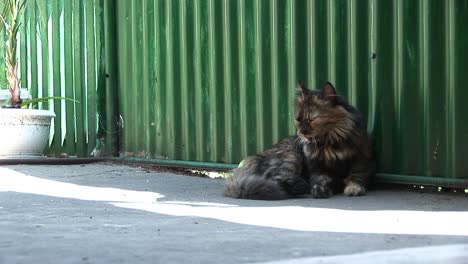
(214, 80)
(62, 54)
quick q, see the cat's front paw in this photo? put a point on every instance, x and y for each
(354, 189)
(321, 191)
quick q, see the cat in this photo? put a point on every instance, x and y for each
(330, 153)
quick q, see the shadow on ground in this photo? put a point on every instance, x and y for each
(202, 224)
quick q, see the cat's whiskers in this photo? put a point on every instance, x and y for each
(297, 144)
(315, 142)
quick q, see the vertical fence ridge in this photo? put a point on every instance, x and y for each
(213, 121)
(352, 51)
(424, 82)
(259, 89)
(311, 44)
(135, 118)
(275, 97)
(184, 98)
(91, 75)
(169, 98)
(461, 96)
(159, 78)
(227, 76)
(398, 70)
(78, 67)
(199, 138)
(56, 79)
(372, 71)
(145, 78)
(70, 138)
(292, 62)
(330, 43)
(242, 77)
(450, 84)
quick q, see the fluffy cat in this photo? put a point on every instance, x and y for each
(331, 153)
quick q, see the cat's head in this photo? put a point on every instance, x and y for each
(320, 117)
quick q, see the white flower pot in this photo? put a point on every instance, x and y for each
(24, 133)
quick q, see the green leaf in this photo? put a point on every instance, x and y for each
(6, 11)
(35, 101)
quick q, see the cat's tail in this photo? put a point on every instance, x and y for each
(243, 185)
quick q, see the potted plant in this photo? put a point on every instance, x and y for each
(24, 132)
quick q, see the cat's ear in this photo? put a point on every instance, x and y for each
(301, 90)
(329, 92)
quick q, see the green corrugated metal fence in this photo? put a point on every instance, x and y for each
(214, 80)
(63, 52)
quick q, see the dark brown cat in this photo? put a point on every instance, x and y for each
(331, 153)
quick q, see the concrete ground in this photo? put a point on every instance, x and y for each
(107, 213)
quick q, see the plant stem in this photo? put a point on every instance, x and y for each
(11, 61)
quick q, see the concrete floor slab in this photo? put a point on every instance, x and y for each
(107, 213)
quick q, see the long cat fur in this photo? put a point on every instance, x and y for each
(330, 153)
